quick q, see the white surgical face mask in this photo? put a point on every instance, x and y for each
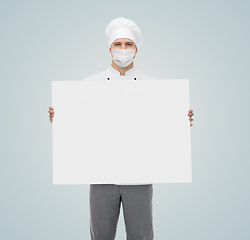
(123, 57)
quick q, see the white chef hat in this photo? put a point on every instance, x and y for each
(123, 28)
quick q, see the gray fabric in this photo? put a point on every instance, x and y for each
(105, 201)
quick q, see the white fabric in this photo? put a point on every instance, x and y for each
(123, 57)
(122, 32)
(112, 73)
(123, 28)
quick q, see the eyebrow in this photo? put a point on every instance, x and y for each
(125, 42)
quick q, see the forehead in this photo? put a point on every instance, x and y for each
(123, 40)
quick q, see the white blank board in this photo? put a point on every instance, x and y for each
(121, 131)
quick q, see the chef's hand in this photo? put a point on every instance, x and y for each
(190, 114)
(51, 113)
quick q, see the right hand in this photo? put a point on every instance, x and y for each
(51, 113)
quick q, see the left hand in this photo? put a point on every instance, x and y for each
(190, 114)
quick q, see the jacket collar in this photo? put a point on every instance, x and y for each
(130, 72)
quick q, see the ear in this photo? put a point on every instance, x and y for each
(110, 52)
(136, 50)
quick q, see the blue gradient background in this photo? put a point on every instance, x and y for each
(204, 41)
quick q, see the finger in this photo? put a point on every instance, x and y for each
(190, 114)
(191, 124)
(191, 119)
(51, 108)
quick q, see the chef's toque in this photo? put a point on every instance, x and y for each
(123, 28)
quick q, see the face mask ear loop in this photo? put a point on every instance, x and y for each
(133, 59)
(135, 54)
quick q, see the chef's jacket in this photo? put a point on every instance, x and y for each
(111, 73)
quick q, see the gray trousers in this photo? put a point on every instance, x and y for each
(105, 201)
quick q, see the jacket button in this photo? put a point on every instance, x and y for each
(107, 78)
(134, 78)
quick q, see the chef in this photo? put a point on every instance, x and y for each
(124, 38)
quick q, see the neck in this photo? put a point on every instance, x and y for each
(120, 69)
